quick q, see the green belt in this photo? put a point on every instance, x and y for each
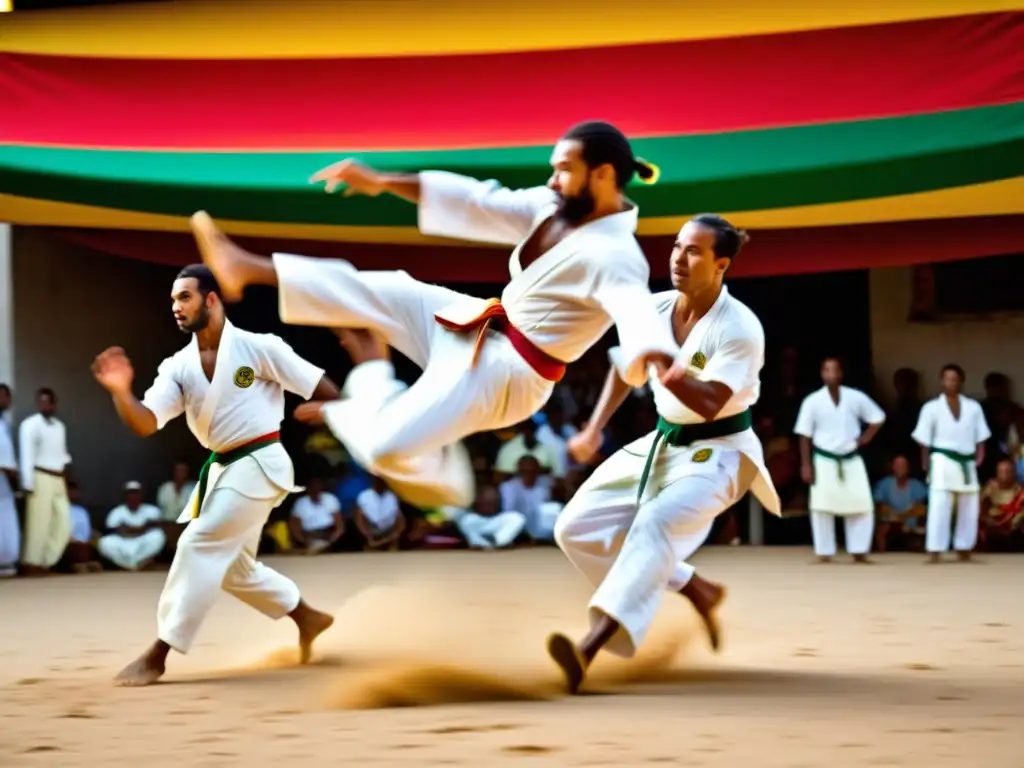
(838, 458)
(963, 459)
(687, 434)
(226, 458)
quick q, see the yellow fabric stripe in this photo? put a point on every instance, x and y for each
(313, 28)
(990, 199)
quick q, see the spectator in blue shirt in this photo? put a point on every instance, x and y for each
(900, 505)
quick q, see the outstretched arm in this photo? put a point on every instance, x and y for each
(450, 205)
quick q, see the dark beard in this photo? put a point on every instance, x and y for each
(576, 208)
(199, 324)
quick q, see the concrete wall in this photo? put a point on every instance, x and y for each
(70, 304)
(978, 345)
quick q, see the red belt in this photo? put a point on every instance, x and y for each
(495, 316)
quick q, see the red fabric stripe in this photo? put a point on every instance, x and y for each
(771, 252)
(522, 98)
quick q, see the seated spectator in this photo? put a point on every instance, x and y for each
(525, 443)
(554, 431)
(1002, 510)
(316, 523)
(173, 496)
(900, 507)
(135, 537)
(379, 517)
(486, 526)
(531, 493)
(81, 551)
(353, 481)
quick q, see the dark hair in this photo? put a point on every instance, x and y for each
(956, 369)
(48, 392)
(604, 143)
(5, 388)
(204, 278)
(728, 240)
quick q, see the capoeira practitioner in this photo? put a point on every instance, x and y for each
(632, 525)
(952, 431)
(829, 424)
(230, 384)
(576, 269)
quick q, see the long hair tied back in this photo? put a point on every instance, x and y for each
(604, 143)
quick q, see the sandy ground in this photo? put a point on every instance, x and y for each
(897, 664)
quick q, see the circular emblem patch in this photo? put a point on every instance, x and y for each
(244, 377)
(698, 360)
(699, 457)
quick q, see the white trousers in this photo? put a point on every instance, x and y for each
(218, 551)
(410, 435)
(131, 552)
(10, 531)
(940, 520)
(47, 521)
(491, 531)
(632, 554)
(859, 531)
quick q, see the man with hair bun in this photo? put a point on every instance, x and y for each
(576, 269)
(632, 525)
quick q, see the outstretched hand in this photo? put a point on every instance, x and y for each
(310, 413)
(358, 179)
(584, 445)
(113, 370)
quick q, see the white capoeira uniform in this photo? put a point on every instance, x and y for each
(129, 552)
(241, 408)
(633, 551)
(557, 307)
(10, 531)
(841, 486)
(953, 472)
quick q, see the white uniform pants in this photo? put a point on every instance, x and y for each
(410, 435)
(940, 519)
(859, 530)
(632, 554)
(491, 531)
(218, 551)
(129, 552)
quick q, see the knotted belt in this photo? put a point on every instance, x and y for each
(687, 434)
(838, 458)
(226, 458)
(963, 459)
(495, 316)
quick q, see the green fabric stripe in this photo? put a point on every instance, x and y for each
(747, 170)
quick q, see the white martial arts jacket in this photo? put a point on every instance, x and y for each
(726, 345)
(937, 429)
(244, 401)
(567, 299)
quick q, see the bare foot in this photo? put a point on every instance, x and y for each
(224, 258)
(824, 560)
(934, 558)
(311, 624)
(706, 597)
(146, 669)
(567, 656)
(863, 560)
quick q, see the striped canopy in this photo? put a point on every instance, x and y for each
(872, 122)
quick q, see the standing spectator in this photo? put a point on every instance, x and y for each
(44, 463)
(5, 411)
(10, 531)
(173, 495)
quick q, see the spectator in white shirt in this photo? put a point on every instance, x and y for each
(172, 496)
(81, 550)
(316, 523)
(525, 443)
(379, 517)
(486, 526)
(555, 433)
(44, 462)
(135, 537)
(530, 494)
